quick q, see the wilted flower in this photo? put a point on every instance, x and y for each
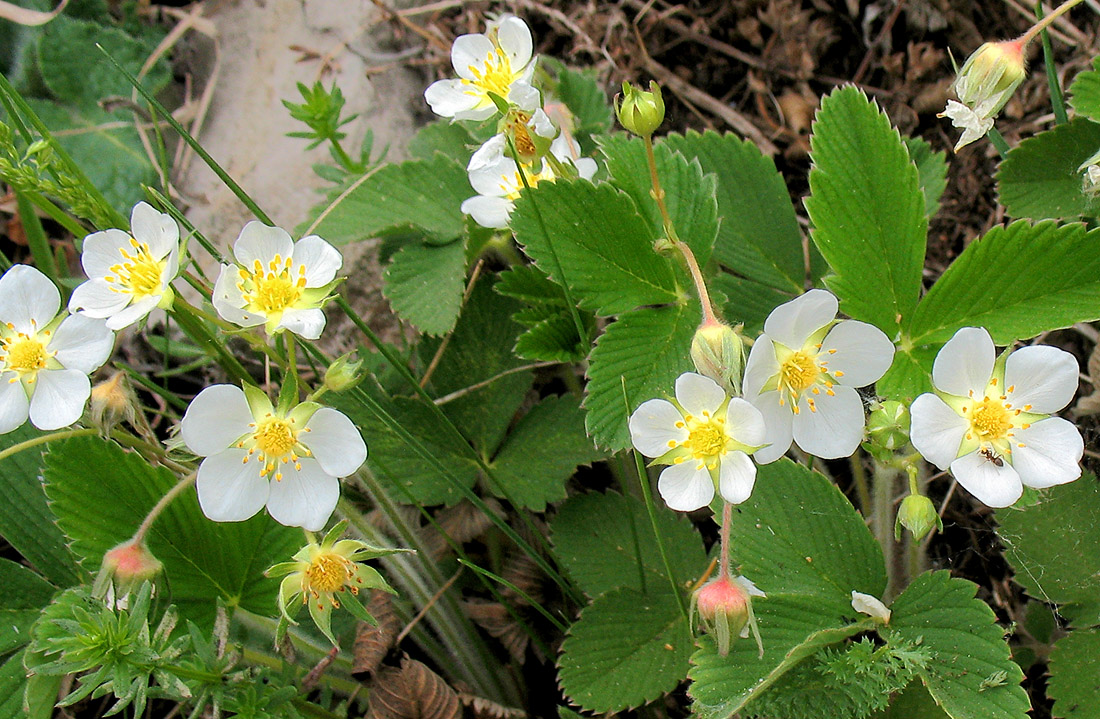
(286, 458)
(989, 421)
(278, 283)
(871, 606)
(45, 358)
(724, 606)
(705, 437)
(984, 84)
(802, 374)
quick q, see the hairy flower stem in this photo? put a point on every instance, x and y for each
(43, 439)
(883, 488)
(161, 505)
(1038, 27)
(724, 538)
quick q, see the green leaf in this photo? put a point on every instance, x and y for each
(913, 703)
(203, 560)
(645, 351)
(931, 172)
(604, 245)
(689, 194)
(424, 285)
(530, 284)
(449, 138)
(971, 673)
(1085, 92)
(909, 376)
(1074, 680)
(626, 649)
(1054, 546)
(1042, 178)
(424, 195)
(582, 94)
(606, 542)
(1016, 281)
(13, 680)
(543, 451)
(748, 301)
(759, 236)
(26, 521)
(25, 594)
(555, 339)
(792, 628)
(797, 534)
(867, 210)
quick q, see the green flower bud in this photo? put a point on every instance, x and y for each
(887, 429)
(719, 353)
(343, 374)
(124, 568)
(918, 515)
(990, 76)
(639, 111)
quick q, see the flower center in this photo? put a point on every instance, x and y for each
(799, 371)
(707, 439)
(328, 573)
(990, 419)
(26, 354)
(273, 289)
(138, 274)
(497, 77)
(276, 439)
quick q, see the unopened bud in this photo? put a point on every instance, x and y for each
(724, 606)
(887, 429)
(719, 353)
(639, 111)
(343, 374)
(124, 568)
(918, 515)
(111, 402)
(990, 76)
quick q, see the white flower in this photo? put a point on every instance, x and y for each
(279, 283)
(500, 61)
(801, 374)
(984, 84)
(989, 421)
(258, 455)
(46, 357)
(973, 125)
(705, 437)
(495, 177)
(129, 273)
(871, 606)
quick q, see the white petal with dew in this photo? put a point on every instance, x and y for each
(335, 442)
(468, 54)
(307, 324)
(215, 419)
(321, 260)
(95, 298)
(156, 229)
(653, 429)
(835, 429)
(684, 487)
(736, 477)
(745, 423)
(761, 366)
(14, 405)
(230, 489)
(101, 252)
(1042, 376)
(792, 323)
(258, 241)
(514, 38)
(863, 353)
(447, 98)
(965, 363)
(28, 299)
(303, 498)
(992, 485)
(698, 394)
(59, 397)
(1051, 453)
(936, 430)
(82, 343)
(778, 425)
(491, 212)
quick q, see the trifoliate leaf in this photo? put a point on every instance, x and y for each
(1074, 680)
(1041, 178)
(424, 285)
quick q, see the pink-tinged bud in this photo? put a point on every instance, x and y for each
(125, 567)
(990, 76)
(724, 606)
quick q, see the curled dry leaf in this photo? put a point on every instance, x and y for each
(495, 619)
(372, 643)
(462, 523)
(412, 691)
(486, 709)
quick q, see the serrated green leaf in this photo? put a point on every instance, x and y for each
(748, 301)
(13, 679)
(584, 97)
(867, 210)
(913, 703)
(1054, 546)
(645, 351)
(758, 236)
(797, 534)
(1084, 93)
(791, 629)
(606, 542)
(909, 376)
(603, 244)
(449, 138)
(24, 595)
(203, 560)
(424, 285)
(626, 649)
(26, 521)
(424, 195)
(931, 172)
(1016, 281)
(554, 339)
(971, 673)
(690, 196)
(1041, 177)
(1074, 680)
(530, 284)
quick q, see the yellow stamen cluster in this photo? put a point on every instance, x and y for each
(328, 573)
(497, 76)
(24, 354)
(993, 420)
(803, 370)
(707, 440)
(272, 289)
(276, 439)
(138, 274)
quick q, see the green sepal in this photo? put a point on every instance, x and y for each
(258, 402)
(356, 609)
(322, 617)
(288, 392)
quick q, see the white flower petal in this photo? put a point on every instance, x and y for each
(524, 94)
(303, 498)
(778, 421)
(156, 229)
(653, 429)
(215, 419)
(483, 111)
(231, 489)
(258, 241)
(448, 98)
(82, 343)
(307, 324)
(335, 442)
(489, 155)
(936, 430)
(28, 299)
(100, 252)
(321, 260)
(228, 301)
(870, 605)
(514, 38)
(1042, 376)
(491, 212)
(95, 298)
(698, 395)
(761, 366)
(835, 429)
(862, 353)
(792, 323)
(128, 316)
(59, 397)
(684, 487)
(745, 423)
(1050, 455)
(992, 485)
(14, 405)
(469, 53)
(736, 477)
(973, 124)
(586, 167)
(965, 363)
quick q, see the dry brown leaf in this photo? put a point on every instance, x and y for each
(373, 643)
(1087, 405)
(462, 523)
(495, 619)
(487, 709)
(520, 569)
(412, 691)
